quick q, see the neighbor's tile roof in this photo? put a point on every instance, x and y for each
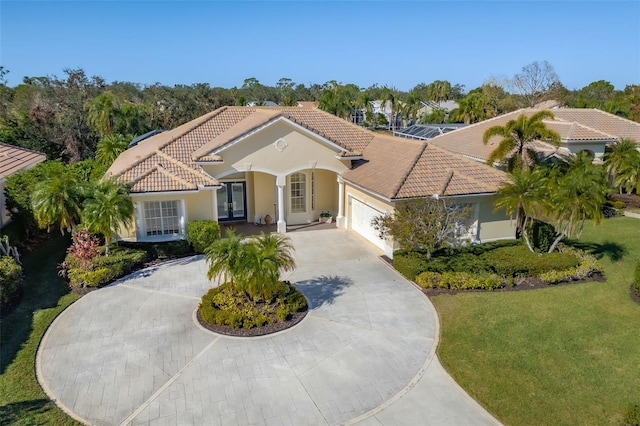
(14, 159)
(392, 167)
(573, 124)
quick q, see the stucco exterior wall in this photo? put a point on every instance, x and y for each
(263, 195)
(326, 192)
(260, 152)
(195, 206)
(377, 203)
(491, 225)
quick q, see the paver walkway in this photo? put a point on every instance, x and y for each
(132, 353)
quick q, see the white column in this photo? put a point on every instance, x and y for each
(280, 183)
(340, 219)
(214, 199)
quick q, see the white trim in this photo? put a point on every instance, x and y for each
(270, 123)
(370, 192)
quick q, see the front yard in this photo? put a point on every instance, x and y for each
(563, 355)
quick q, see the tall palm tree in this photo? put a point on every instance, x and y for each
(224, 257)
(57, 200)
(576, 196)
(517, 135)
(623, 154)
(110, 147)
(629, 174)
(524, 196)
(108, 209)
(101, 112)
(266, 256)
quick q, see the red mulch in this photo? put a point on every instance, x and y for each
(632, 201)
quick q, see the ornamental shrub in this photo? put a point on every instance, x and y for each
(104, 269)
(410, 264)
(587, 266)
(541, 235)
(459, 281)
(10, 277)
(202, 233)
(519, 261)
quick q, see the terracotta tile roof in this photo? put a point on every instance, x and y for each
(573, 124)
(399, 168)
(307, 104)
(601, 121)
(14, 159)
(195, 141)
(572, 131)
(393, 167)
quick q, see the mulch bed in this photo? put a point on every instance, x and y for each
(632, 201)
(256, 331)
(532, 283)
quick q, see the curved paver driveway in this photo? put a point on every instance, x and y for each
(132, 354)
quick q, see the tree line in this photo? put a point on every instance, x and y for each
(66, 117)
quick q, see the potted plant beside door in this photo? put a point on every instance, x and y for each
(326, 217)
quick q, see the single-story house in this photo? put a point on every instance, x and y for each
(580, 129)
(246, 163)
(12, 160)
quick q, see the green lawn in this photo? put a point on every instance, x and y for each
(22, 401)
(568, 355)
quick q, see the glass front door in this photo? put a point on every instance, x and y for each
(232, 204)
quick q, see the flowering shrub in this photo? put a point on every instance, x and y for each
(84, 249)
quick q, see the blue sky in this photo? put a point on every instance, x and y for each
(395, 43)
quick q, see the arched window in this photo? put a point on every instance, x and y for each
(298, 193)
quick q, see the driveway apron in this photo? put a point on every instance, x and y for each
(132, 353)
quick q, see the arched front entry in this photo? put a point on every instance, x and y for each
(294, 199)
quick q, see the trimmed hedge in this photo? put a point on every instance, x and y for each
(202, 233)
(519, 261)
(161, 249)
(221, 306)
(636, 279)
(459, 281)
(121, 261)
(587, 266)
(10, 278)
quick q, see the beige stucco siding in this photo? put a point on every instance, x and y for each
(293, 151)
(326, 192)
(264, 195)
(491, 225)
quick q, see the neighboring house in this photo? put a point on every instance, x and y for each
(242, 164)
(385, 108)
(580, 130)
(308, 104)
(427, 107)
(427, 131)
(12, 160)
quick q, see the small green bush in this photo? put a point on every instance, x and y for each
(10, 277)
(202, 233)
(632, 416)
(121, 261)
(541, 235)
(409, 264)
(636, 279)
(519, 261)
(466, 262)
(619, 205)
(222, 306)
(476, 249)
(161, 249)
(587, 266)
(459, 281)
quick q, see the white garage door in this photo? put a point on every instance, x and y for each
(361, 216)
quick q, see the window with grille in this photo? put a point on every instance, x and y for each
(298, 193)
(161, 218)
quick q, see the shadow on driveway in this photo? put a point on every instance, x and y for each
(324, 289)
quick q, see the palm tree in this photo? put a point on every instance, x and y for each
(577, 196)
(266, 256)
(109, 209)
(224, 257)
(110, 147)
(472, 108)
(622, 156)
(523, 196)
(57, 200)
(517, 135)
(629, 174)
(101, 112)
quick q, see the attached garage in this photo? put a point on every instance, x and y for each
(361, 216)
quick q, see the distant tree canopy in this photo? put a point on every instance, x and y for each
(66, 117)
